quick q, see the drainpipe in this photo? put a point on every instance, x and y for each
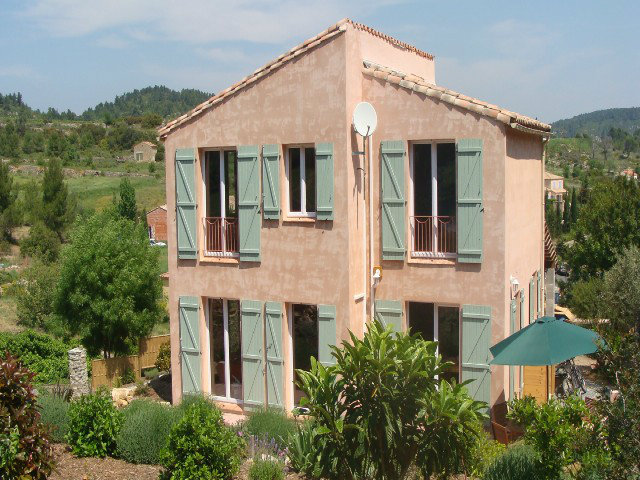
(371, 281)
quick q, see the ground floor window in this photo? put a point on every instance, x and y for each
(439, 323)
(226, 348)
(304, 329)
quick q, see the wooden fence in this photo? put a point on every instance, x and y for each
(105, 371)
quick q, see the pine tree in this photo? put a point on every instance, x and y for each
(56, 211)
(127, 205)
(566, 216)
(574, 206)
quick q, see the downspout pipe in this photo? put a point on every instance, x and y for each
(371, 280)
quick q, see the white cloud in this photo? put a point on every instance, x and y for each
(17, 71)
(112, 41)
(199, 22)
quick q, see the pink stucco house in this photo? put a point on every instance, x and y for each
(271, 202)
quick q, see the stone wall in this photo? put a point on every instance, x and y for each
(78, 377)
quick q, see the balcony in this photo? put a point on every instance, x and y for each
(220, 236)
(433, 236)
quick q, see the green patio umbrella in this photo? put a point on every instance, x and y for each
(548, 341)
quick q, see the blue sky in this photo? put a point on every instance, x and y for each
(547, 59)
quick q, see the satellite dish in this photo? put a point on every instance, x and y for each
(365, 119)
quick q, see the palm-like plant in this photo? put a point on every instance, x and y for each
(380, 410)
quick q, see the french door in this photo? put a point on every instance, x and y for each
(225, 331)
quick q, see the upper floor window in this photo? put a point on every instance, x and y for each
(221, 215)
(433, 222)
(301, 179)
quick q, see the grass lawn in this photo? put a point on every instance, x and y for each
(164, 258)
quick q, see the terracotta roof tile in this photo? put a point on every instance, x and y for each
(507, 117)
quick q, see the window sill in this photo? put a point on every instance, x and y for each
(299, 220)
(431, 261)
(214, 259)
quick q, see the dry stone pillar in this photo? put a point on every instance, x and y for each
(78, 377)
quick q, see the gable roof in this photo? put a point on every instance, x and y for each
(160, 207)
(552, 176)
(145, 142)
(420, 85)
(283, 59)
(412, 82)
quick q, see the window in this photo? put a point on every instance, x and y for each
(433, 221)
(221, 216)
(301, 176)
(305, 337)
(226, 349)
(138, 156)
(439, 323)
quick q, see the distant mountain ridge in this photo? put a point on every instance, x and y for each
(157, 99)
(598, 123)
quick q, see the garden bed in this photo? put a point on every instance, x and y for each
(71, 467)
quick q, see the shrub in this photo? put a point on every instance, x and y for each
(145, 431)
(94, 424)
(518, 462)
(272, 423)
(552, 429)
(264, 469)
(302, 449)
(484, 453)
(36, 295)
(43, 354)
(42, 243)
(54, 411)
(201, 447)
(163, 361)
(128, 377)
(25, 448)
(384, 387)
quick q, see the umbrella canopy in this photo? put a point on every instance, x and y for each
(546, 342)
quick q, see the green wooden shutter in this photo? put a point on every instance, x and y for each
(469, 200)
(327, 336)
(185, 173)
(476, 340)
(249, 203)
(190, 356)
(522, 308)
(512, 370)
(393, 199)
(275, 359)
(389, 312)
(532, 300)
(324, 181)
(252, 352)
(271, 182)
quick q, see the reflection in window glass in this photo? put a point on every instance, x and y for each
(310, 178)
(216, 321)
(235, 349)
(449, 337)
(295, 191)
(305, 340)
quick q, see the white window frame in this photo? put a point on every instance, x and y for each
(434, 198)
(139, 156)
(303, 184)
(223, 192)
(436, 329)
(227, 398)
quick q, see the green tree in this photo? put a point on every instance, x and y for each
(574, 206)
(127, 204)
(9, 211)
(36, 295)
(566, 216)
(56, 143)
(42, 243)
(9, 141)
(110, 291)
(57, 209)
(608, 223)
(620, 297)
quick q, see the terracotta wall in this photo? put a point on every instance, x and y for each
(157, 219)
(312, 100)
(302, 262)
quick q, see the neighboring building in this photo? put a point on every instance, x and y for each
(554, 188)
(630, 174)
(144, 152)
(157, 223)
(457, 195)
